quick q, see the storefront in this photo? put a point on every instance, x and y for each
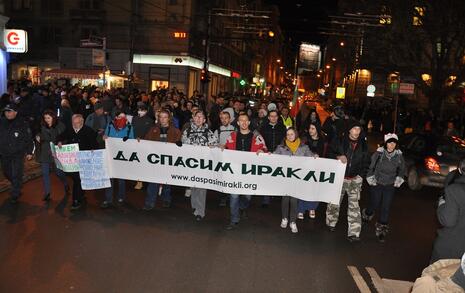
(182, 72)
(85, 77)
(3, 56)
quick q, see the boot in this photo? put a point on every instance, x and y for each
(366, 218)
(381, 232)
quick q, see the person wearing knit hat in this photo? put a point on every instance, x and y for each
(351, 149)
(385, 174)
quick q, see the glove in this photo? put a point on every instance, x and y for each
(125, 138)
(179, 143)
(398, 182)
(371, 180)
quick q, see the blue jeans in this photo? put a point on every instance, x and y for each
(121, 190)
(381, 197)
(45, 167)
(236, 203)
(152, 193)
(303, 206)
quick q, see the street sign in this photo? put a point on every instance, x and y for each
(407, 88)
(341, 93)
(15, 41)
(98, 57)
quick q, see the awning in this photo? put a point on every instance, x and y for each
(74, 73)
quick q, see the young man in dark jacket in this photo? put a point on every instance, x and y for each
(350, 149)
(86, 138)
(16, 144)
(273, 132)
(450, 242)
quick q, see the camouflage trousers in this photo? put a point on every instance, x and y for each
(352, 187)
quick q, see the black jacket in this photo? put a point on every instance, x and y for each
(85, 137)
(16, 137)
(273, 135)
(450, 242)
(357, 158)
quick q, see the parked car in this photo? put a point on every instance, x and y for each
(429, 158)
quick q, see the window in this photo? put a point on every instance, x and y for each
(172, 2)
(418, 14)
(385, 17)
(52, 7)
(21, 4)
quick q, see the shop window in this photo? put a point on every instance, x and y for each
(21, 4)
(52, 7)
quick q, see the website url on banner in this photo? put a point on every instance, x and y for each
(222, 183)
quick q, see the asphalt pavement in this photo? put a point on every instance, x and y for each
(50, 249)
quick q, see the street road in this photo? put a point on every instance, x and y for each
(49, 249)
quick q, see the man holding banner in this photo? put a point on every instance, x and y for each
(198, 133)
(86, 138)
(164, 132)
(246, 141)
(350, 149)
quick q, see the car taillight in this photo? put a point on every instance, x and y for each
(432, 165)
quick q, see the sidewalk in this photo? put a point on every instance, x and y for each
(31, 171)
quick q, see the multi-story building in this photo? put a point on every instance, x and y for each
(162, 42)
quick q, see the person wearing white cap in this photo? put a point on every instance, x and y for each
(385, 174)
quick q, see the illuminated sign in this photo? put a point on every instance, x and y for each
(341, 93)
(178, 61)
(235, 74)
(15, 41)
(180, 35)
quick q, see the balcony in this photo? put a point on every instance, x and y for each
(87, 14)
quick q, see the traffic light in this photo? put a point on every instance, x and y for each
(204, 76)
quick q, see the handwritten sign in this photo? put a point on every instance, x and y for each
(66, 157)
(93, 170)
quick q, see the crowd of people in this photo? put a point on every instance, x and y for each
(36, 117)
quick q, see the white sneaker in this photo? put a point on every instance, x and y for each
(138, 185)
(188, 192)
(300, 216)
(284, 223)
(293, 227)
(312, 214)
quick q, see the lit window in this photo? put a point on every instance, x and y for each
(418, 14)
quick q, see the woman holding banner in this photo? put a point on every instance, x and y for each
(316, 141)
(292, 146)
(50, 130)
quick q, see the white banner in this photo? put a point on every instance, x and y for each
(93, 169)
(226, 171)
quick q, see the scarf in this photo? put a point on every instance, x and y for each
(293, 146)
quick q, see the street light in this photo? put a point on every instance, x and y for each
(341, 44)
(279, 60)
(328, 66)
(334, 59)
(271, 34)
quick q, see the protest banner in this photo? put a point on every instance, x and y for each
(314, 179)
(66, 157)
(93, 169)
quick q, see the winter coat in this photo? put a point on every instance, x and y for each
(258, 143)
(173, 134)
(16, 137)
(97, 122)
(386, 170)
(357, 159)
(202, 135)
(273, 135)
(126, 132)
(224, 132)
(450, 242)
(86, 138)
(302, 151)
(141, 125)
(47, 136)
(318, 146)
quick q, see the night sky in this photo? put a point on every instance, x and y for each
(301, 19)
